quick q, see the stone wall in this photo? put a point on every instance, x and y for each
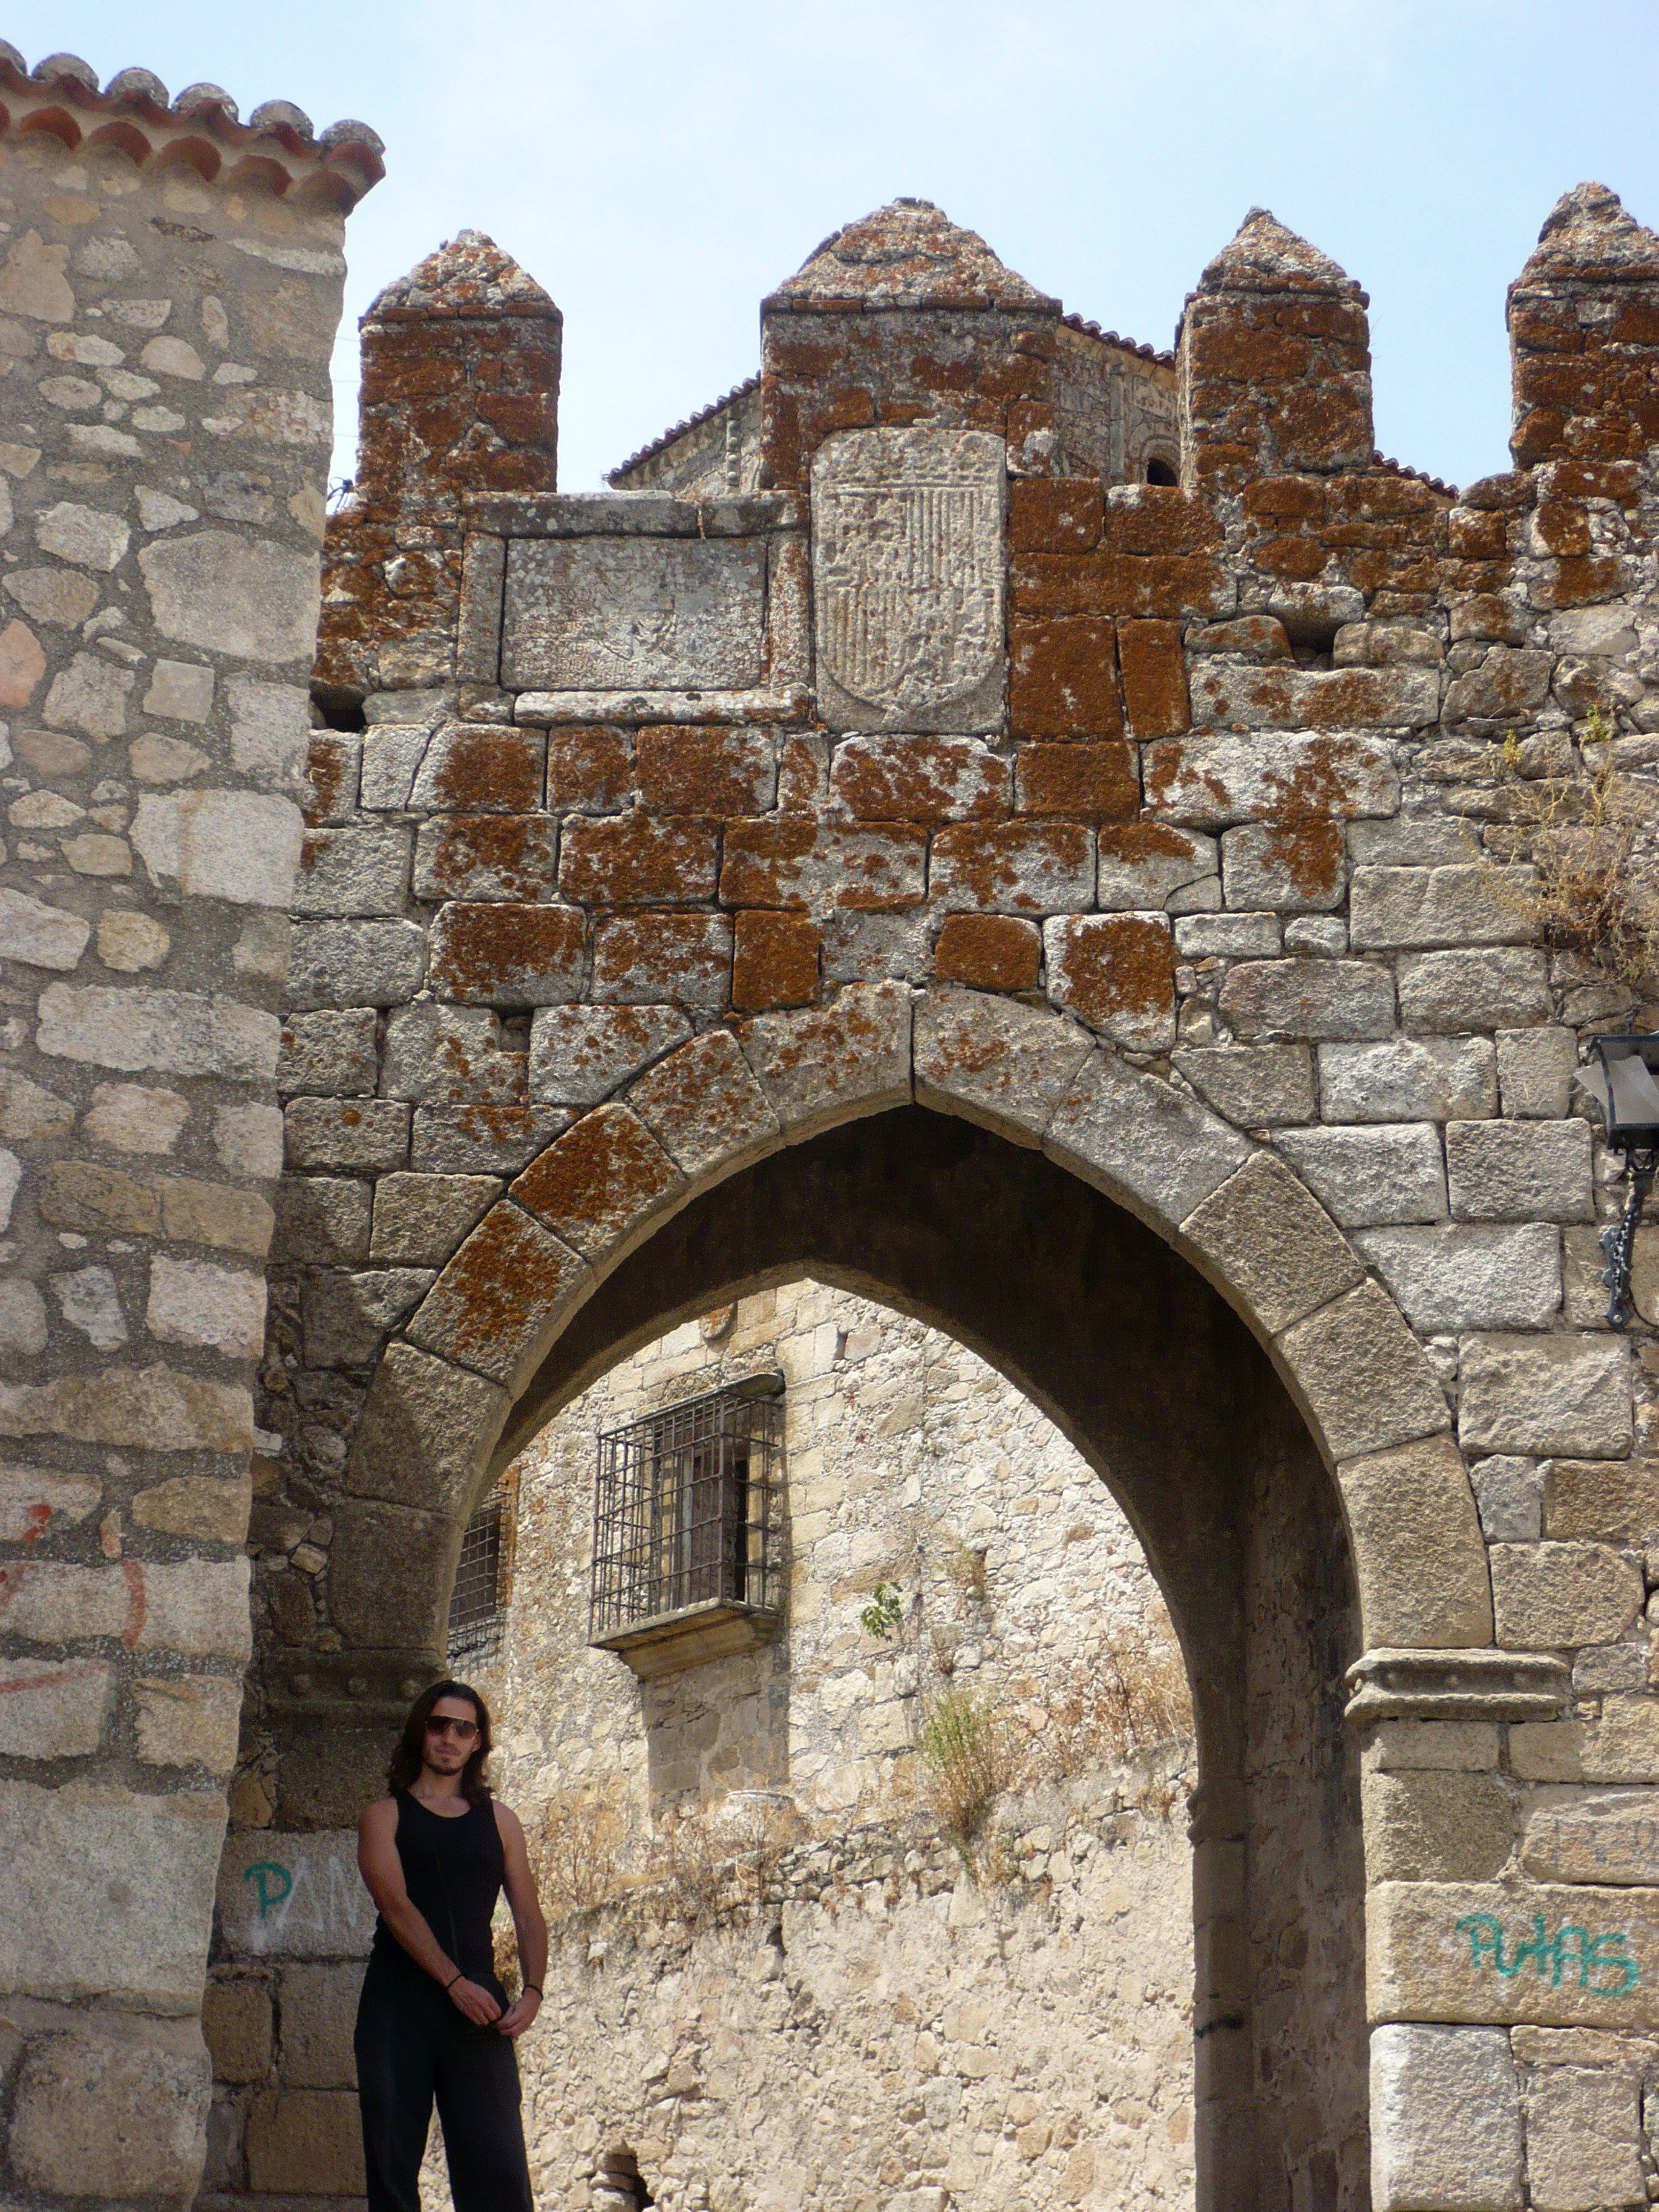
(906, 1460)
(169, 286)
(1187, 833)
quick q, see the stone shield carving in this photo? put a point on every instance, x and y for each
(908, 577)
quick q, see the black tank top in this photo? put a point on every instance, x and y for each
(453, 1871)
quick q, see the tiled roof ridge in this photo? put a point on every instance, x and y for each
(200, 126)
(692, 422)
(1389, 467)
(1091, 330)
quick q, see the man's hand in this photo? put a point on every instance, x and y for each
(475, 2002)
(519, 2014)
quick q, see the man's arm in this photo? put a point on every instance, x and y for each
(382, 1871)
(532, 1929)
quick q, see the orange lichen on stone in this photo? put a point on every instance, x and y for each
(1063, 679)
(989, 951)
(598, 1182)
(1090, 782)
(1113, 966)
(793, 861)
(588, 768)
(481, 768)
(633, 859)
(708, 772)
(918, 779)
(1154, 679)
(504, 856)
(774, 961)
(504, 954)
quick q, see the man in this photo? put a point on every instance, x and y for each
(434, 2020)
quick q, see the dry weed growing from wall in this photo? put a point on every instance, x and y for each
(1597, 860)
(705, 1865)
(575, 1846)
(1134, 1698)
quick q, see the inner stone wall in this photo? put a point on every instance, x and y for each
(1020, 2030)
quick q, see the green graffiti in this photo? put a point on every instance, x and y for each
(1571, 1950)
(264, 1873)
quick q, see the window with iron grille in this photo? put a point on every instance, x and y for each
(687, 1526)
(478, 1607)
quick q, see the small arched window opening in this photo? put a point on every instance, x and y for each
(1160, 472)
(618, 2184)
(340, 707)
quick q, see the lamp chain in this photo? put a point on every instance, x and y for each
(1617, 1240)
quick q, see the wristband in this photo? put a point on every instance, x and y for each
(531, 1985)
(450, 1985)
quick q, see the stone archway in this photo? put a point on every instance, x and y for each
(836, 1138)
(723, 1101)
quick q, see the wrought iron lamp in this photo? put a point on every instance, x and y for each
(1624, 1086)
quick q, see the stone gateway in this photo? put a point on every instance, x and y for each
(1061, 841)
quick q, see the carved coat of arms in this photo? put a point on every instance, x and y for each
(908, 574)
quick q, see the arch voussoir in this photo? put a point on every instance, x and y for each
(827, 1064)
(1146, 1145)
(601, 1186)
(995, 1061)
(704, 1106)
(502, 1298)
(1353, 1366)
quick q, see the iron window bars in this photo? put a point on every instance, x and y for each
(688, 1516)
(478, 1606)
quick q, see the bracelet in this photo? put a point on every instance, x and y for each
(450, 1985)
(527, 1989)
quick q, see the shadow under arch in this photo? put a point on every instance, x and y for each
(1159, 1385)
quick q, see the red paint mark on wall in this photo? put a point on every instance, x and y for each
(134, 1627)
(48, 1682)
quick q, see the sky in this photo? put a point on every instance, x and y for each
(660, 167)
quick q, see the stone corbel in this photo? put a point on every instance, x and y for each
(1458, 1686)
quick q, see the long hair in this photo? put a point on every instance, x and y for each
(405, 1768)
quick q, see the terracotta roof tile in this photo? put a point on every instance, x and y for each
(1393, 468)
(1123, 345)
(691, 422)
(201, 127)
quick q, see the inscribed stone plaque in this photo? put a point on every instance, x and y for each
(294, 1896)
(634, 614)
(908, 573)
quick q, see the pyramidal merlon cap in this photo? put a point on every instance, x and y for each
(1589, 237)
(469, 275)
(909, 254)
(1263, 256)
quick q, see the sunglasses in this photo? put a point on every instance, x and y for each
(464, 1731)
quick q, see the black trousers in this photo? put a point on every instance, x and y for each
(414, 2048)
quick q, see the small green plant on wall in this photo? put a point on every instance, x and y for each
(971, 1753)
(884, 1617)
